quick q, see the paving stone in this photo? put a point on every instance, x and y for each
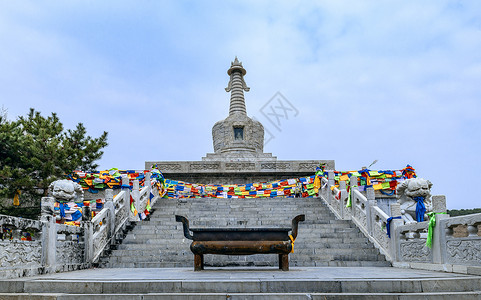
(60, 286)
(11, 286)
(444, 284)
(22, 296)
(387, 286)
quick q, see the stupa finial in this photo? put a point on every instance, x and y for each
(237, 86)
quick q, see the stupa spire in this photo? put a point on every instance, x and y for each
(237, 86)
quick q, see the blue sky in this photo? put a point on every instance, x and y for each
(396, 81)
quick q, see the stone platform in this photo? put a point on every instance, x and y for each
(237, 172)
(252, 283)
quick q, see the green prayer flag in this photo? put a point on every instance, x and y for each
(349, 199)
(432, 224)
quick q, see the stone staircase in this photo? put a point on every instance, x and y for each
(322, 241)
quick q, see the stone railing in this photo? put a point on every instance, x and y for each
(462, 239)
(456, 242)
(16, 250)
(30, 247)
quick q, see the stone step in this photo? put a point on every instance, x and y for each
(307, 224)
(351, 238)
(174, 243)
(235, 264)
(147, 235)
(370, 280)
(316, 254)
(243, 296)
(148, 250)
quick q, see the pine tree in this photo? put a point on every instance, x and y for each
(34, 151)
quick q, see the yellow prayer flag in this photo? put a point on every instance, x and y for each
(16, 198)
(344, 177)
(377, 186)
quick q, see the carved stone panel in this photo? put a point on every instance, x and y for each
(20, 254)
(100, 240)
(204, 166)
(120, 216)
(308, 166)
(416, 251)
(380, 235)
(169, 167)
(240, 166)
(276, 166)
(69, 252)
(464, 251)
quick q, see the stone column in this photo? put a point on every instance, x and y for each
(109, 205)
(136, 196)
(395, 223)
(342, 188)
(126, 201)
(49, 233)
(371, 202)
(353, 184)
(148, 184)
(330, 182)
(87, 234)
(439, 234)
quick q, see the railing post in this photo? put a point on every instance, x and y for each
(439, 204)
(88, 234)
(126, 190)
(342, 189)
(330, 182)
(395, 223)
(136, 196)
(148, 183)
(353, 184)
(371, 202)
(322, 190)
(109, 205)
(49, 233)
(439, 234)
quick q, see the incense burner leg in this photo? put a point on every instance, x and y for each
(198, 262)
(284, 262)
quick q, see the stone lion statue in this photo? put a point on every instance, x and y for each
(414, 197)
(64, 190)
